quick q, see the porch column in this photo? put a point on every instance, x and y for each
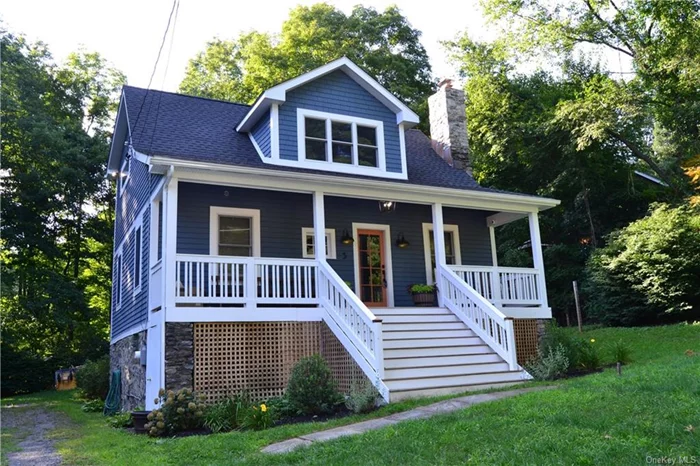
(439, 242)
(537, 257)
(170, 240)
(319, 227)
(495, 274)
(494, 254)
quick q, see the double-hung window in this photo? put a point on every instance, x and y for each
(341, 140)
(118, 281)
(138, 258)
(452, 248)
(234, 232)
(309, 251)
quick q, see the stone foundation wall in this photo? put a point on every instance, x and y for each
(179, 356)
(133, 374)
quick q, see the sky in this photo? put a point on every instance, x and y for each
(128, 33)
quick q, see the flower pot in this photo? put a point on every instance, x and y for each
(140, 418)
(424, 299)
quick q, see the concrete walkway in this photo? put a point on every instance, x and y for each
(423, 412)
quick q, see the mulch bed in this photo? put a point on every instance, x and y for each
(313, 418)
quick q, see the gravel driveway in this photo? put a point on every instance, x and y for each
(31, 426)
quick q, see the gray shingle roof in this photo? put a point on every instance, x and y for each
(195, 128)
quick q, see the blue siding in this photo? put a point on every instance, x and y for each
(337, 93)
(136, 195)
(261, 133)
(283, 215)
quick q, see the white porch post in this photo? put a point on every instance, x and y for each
(319, 227)
(495, 275)
(439, 242)
(170, 241)
(537, 257)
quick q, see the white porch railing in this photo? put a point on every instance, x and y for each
(509, 286)
(201, 279)
(479, 314)
(349, 319)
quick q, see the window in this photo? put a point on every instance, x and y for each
(124, 174)
(234, 232)
(307, 240)
(118, 281)
(138, 259)
(342, 140)
(452, 249)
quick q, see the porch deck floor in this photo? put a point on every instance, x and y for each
(441, 407)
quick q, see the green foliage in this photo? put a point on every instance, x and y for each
(22, 372)
(621, 352)
(92, 378)
(362, 398)
(57, 208)
(421, 288)
(120, 420)
(226, 414)
(549, 365)
(93, 406)
(383, 44)
(588, 356)
(179, 411)
(282, 407)
(257, 417)
(311, 388)
(580, 353)
(648, 271)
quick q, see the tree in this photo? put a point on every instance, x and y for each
(383, 44)
(57, 214)
(662, 40)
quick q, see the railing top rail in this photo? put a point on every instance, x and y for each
(257, 260)
(489, 268)
(347, 292)
(473, 294)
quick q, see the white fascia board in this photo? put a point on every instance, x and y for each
(278, 93)
(121, 120)
(355, 187)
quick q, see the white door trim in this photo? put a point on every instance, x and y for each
(427, 227)
(387, 258)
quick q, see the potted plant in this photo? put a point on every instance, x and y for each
(139, 417)
(423, 295)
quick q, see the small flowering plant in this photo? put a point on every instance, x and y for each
(179, 411)
(258, 417)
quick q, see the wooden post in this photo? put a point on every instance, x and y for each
(578, 308)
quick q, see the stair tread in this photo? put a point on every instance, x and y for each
(452, 380)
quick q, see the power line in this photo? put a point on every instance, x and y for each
(155, 66)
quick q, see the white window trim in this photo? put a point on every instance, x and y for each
(427, 228)
(327, 164)
(330, 237)
(124, 179)
(118, 277)
(387, 259)
(138, 225)
(215, 212)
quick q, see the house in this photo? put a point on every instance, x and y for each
(219, 282)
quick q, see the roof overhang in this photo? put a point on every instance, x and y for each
(119, 136)
(278, 93)
(266, 178)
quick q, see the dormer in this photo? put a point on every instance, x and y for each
(335, 118)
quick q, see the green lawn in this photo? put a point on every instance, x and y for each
(597, 419)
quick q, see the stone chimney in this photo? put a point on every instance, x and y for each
(448, 125)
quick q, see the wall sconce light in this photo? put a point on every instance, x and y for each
(346, 238)
(402, 242)
(387, 206)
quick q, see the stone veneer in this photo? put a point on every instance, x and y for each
(448, 125)
(121, 355)
(179, 356)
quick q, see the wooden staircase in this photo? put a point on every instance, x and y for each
(430, 351)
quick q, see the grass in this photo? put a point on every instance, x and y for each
(600, 418)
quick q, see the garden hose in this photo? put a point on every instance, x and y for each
(115, 394)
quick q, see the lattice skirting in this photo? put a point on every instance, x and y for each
(526, 339)
(259, 357)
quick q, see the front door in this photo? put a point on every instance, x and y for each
(372, 267)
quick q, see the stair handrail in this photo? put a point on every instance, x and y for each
(483, 318)
(352, 322)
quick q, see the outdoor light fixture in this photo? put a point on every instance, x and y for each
(402, 242)
(346, 238)
(387, 206)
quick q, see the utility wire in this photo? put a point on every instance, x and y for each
(155, 66)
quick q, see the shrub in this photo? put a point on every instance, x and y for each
(549, 365)
(282, 407)
(92, 378)
(257, 417)
(620, 352)
(178, 412)
(93, 406)
(23, 372)
(311, 388)
(226, 415)
(648, 271)
(556, 337)
(362, 397)
(421, 288)
(588, 358)
(120, 420)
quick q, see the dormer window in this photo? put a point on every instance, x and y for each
(327, 138)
